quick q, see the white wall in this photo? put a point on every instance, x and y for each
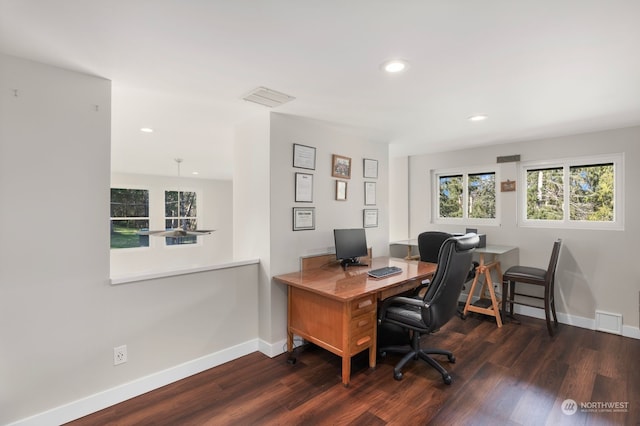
(251, 200)
(287, 245)
(398, 198)
(59, 316)
(215, 211)
(596, 268)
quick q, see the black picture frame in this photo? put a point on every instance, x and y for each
(304, 188)
(304, 218)
(304, 157)
(369, 193)
(370, 218)
(370, 168)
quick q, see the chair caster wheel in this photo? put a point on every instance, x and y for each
(452, 359)
(447, 379)
(382, 354)
(397, 376)
(291, 360)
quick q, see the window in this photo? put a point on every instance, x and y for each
(545, 193)
(450, 199)
(482, 195)
(181, 212)
(129, 214)
(574, 193)
(465, 197)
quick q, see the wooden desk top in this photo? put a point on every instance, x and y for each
(334, 282)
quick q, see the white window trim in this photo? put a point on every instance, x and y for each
(618, 201)
(198, 192)
(465, 172)
(148, 218)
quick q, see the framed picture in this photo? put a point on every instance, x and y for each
(508, 186)
(341, 190)
(370, 168)
(369, 193)
(304, 188)
(304, 218)
(304, 157)
(370, 218)
(341, 167)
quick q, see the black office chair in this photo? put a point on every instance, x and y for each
(534, 276)
(423, 315)
(429, 243)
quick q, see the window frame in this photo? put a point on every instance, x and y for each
(147, 218)
(179, 241)
(465, 219)
(616, 159)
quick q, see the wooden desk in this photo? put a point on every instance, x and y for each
(485, 269)
(337, 309)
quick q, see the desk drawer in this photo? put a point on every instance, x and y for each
(363, 305)
(363, 324)
(361, 342)
(361, 332)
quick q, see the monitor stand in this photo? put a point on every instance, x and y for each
(351, 262)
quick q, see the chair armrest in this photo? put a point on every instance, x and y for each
(423, 284)
(411, 301)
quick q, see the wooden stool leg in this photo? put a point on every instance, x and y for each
(470, 296)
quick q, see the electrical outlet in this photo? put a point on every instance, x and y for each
(120, 355)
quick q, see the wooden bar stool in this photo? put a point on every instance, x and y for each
(534, 276)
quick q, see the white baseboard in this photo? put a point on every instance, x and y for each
(574, 320)
(273, 349)
(109, 397)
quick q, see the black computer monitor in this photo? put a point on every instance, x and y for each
(350, 245)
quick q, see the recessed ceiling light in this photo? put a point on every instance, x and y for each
(195, 173)
(394, 66)
(146, 130)
(479, 117)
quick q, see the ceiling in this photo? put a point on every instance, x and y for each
(536, 68)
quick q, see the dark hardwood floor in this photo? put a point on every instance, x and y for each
(516, 375)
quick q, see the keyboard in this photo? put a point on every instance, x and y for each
(384, 272)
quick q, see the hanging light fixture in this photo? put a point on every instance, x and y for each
(179, 231)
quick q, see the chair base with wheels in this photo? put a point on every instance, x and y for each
(537, 277)
(415, 352)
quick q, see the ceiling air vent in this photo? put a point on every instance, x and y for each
(267, 97)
